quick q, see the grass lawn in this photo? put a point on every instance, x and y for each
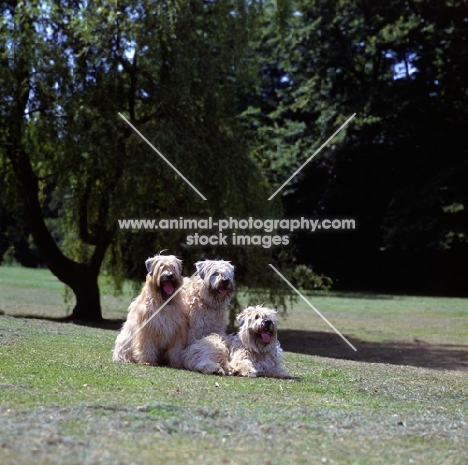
(401, 398)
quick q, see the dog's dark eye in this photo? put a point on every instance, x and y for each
(256, 317)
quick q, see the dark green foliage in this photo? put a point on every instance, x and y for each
(400, 167)
(174, 70)
(183, 72)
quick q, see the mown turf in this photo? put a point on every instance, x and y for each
(62, 399)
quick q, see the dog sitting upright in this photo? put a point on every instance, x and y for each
(156, 328)
(206, 298)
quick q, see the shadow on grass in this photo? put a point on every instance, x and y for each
(102, 324)
(324, 344)
(415, 353)
(350, 295)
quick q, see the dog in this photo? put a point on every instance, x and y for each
(155, 332)
(206, 298)
(253, 351)
(209, 355)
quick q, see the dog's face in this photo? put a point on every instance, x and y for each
(164, 274)
(218, 276)
(258, 328)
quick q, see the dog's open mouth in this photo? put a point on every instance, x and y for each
(264, 336)
(168, 288)
(224, 289)
(265, 331)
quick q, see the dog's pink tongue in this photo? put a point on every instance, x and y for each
(223, 291)
(168, 288)
(266, 338)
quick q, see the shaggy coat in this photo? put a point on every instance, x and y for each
(155, 332)
(254, 351)
(206, 298)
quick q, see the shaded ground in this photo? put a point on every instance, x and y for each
(415, 353)
(327, 344)
(417, 331)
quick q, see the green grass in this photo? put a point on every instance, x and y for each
(62, 399)
(37, 292)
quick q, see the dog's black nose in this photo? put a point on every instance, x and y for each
(170, 275)
(225, 281)
(267, 323)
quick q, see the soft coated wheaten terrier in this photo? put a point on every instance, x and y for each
(156, 328)
(208, 355)
(254, 351)
(206, 297)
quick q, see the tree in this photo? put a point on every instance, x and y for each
(174, 69)
(398, 168)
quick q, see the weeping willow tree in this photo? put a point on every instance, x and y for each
(174, 69)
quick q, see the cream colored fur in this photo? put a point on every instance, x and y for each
(254, 351)
(150, 335)
(206, 298)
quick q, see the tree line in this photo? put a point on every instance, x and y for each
(237, 95)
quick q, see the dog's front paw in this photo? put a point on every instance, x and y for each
(212, 369)
(246, 373)
(222, 372)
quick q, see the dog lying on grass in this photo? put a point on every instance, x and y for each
(253, 351)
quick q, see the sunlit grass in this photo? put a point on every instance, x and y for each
(64, 401)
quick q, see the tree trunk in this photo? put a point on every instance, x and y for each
(88, 302)
(82, 278)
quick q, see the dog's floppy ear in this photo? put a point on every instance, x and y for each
(200, 269)
(240, 318)
(149, 265)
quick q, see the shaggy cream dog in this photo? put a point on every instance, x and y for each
(156, 328)
(208, 355)
(206, 297)
(254, 351)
